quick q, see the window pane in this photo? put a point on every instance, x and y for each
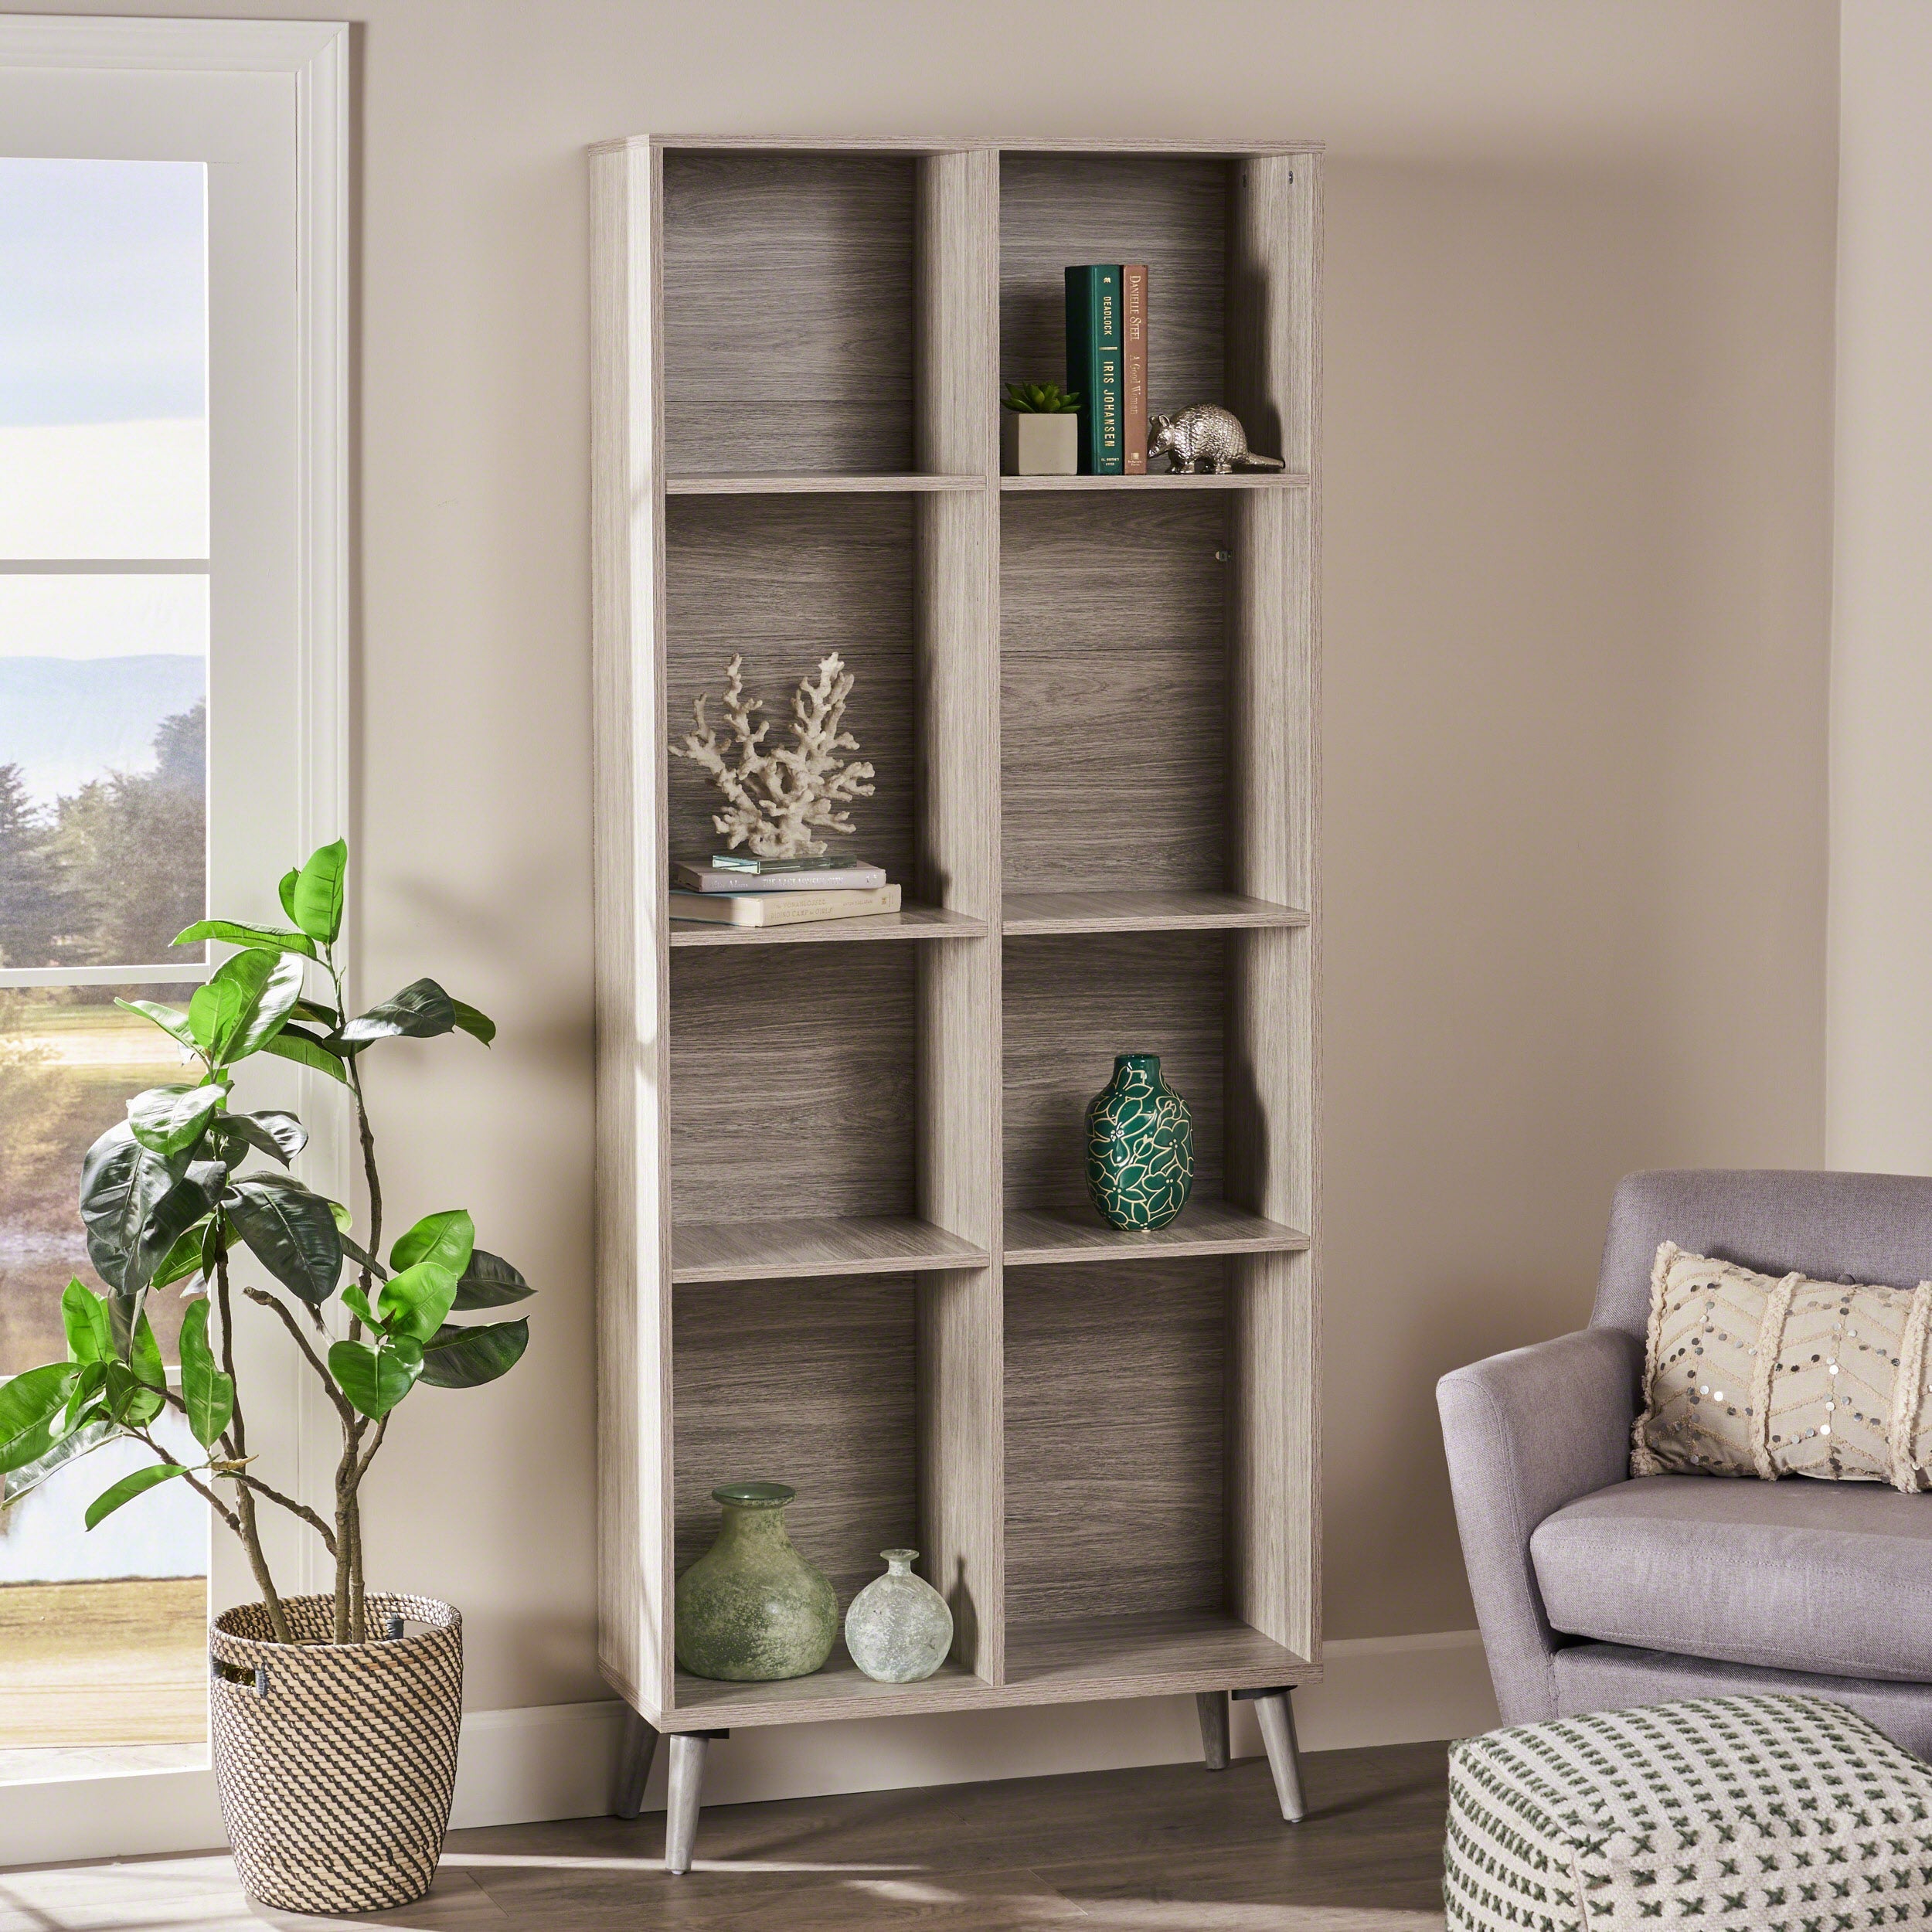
(101, 1631)
(103, 358)
(104, 683)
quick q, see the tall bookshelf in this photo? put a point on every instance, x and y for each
(843, 1238)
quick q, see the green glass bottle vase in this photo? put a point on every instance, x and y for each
(1140, 1146)
(751, 1610)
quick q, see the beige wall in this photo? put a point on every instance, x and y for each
(1578, 420)
(1879, 1011)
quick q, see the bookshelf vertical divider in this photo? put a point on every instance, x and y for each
(842, 1241)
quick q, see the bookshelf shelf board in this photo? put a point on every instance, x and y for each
(842, 1689)
(1029, 913)
(828, 1244)
(1241, 480)
(910, 922)
(826, 484)
(1144, 1656)
(1038, 1235)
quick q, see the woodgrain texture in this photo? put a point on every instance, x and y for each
(1039, 1236)
(815, 484)
(1113, 1440)
(1033, 913)
(1168, 211)
(961, 1466)
(783, 581)
(792, 1084)
(633, 1220)
(788, 322)
(1113, 646)
(1159, 1653)
(781, 1250)
(1072, 1004)
(1156, 481)
(809, 1383)
(1274, 304)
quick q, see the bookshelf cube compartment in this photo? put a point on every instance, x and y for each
(784, 580)
(793, 1083)
(1071, 1006)
(1057, 210)
(1113, 692)
(788, 307)
(808, 1382)
(1115, 1420)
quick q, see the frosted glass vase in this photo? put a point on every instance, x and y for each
(899, 1628)
(751, 1610)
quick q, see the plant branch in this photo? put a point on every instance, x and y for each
(263, 1299)
(244, 1516)
(289, 1503)
(201, 1489)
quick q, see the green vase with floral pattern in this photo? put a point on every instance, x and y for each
(1140, 1146)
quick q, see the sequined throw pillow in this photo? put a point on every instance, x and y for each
(1748, 1374)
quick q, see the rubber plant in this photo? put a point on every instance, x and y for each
(171, 1202)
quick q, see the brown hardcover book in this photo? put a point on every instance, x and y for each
(1134, 367)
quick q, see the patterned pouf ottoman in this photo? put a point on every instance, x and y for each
(1726, 1813)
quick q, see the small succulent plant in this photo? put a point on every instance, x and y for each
(1041, 399)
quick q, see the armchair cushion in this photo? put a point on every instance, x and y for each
(1830, 1579)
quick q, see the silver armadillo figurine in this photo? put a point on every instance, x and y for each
(1205, 438)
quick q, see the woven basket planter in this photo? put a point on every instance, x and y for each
(336, 1762)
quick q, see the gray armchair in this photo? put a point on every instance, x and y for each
(1595, 1590)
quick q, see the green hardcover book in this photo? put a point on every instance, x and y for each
(1094, 365)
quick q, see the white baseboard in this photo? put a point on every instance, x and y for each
(555, 1760)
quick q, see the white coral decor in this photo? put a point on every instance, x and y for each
(775, 798)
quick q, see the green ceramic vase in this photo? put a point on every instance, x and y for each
(751, 1610)
(1140, 1146)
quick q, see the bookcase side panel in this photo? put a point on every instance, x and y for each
(1274, 305)
(961, 1470)
(633, 1260)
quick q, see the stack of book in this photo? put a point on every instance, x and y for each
(731, 890)
(1107, 366)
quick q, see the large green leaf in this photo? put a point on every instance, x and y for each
(170, 1119)
(260, 1025)
(420, 1011)
(208, 1393)
(414, 1300)
(272, 939)
(458, 1357)
(120, 1181)
(182, 1260)
(446, 1239)
(489, 1282)
(83, 1403)
(281, 1136)
(144, 1357)
(130, 1400)
(286, 889)
(21, 1475)
(28, 1399)
(85, 1318)
(130, 1487)
(171, 1019)
(294, 1043)
(374, 1380)
(315, 902)
(291, 1233)
(218, 1008)
(189, 1200)
(471, 1021)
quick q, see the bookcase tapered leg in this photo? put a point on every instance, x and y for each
(685, 1793)
(1212, 1706)
(1277, 1718)
(635, 1751)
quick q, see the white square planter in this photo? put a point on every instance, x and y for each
(1032, 445)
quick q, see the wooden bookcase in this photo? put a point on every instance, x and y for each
(843, 1241)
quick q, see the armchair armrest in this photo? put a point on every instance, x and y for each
(1526, 1432)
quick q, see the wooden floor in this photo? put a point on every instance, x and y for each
(1171, 1848)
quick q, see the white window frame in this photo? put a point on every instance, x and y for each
(166, 1810)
